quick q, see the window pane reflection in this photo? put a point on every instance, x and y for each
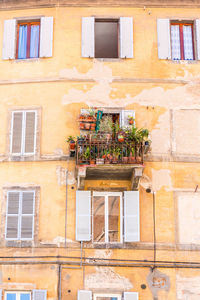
(99, 219)
(114, 218)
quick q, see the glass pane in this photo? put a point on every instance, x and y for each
(106, 298)
(24, 296)
(175, 40)
(114, 218)
(188, 44)
(10, 296)
(99, 219)
(22, 43)
(34, 41)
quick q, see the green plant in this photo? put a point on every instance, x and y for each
(92, 112)
(86, 154)
(131, 118)
(71, 139)
(116, 152)
(106, 124)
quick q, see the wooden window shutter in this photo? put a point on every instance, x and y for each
(9, 39)
(1, 294)
(12, 217)
(131, 216)
(197, 26)
(130, 296)
(46, 37)
(124, 114)
(39, 294)
(83, 215)
(88, 37)
(16, 137)
(84, 295)
(164, 40)
(126, 37)
(30, 132)
(27, 215)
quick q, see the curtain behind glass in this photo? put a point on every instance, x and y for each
(22, 41)
(34, 42)
(175, 40)
(188, 43)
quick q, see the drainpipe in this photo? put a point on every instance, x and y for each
(66, 187)
(59, 281)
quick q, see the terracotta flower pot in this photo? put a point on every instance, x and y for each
(87, 126)
(125, 160)
(82, 126)
(93, 126)
(92, 162)
(72, 145)
(120, 139)
(130, 122)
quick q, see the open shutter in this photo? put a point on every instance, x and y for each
(0, 294)
(83, 215)
(16, 136)
(84, 295)
(39, 294)
(27, 218)
(46, 36)
(164, 41)
(124, 115)
(12, 218)
(130, 296)
(88, 37)
(197, 25)
(30, 133)
(126, 37)
(131, 216)
(9, 39)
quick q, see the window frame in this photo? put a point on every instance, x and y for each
(118, 296)
(23, 133)
(19, 215)
(106, 195)
(28, 23)
(18, 293)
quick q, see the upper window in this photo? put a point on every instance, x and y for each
(13, 295)
(176, 39)
(28, 39)
(107, 38)
(23, 132)
(88, 295)
(107, 297)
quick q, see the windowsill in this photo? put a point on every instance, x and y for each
(26, 60)
(183, 62)
(109, 59)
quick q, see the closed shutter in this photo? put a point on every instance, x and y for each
(9, 39)
(164, 41)
(46, 37)
(30, 132)
(88, 37)
(12, 217)
(126, 37)
(197, 25)
(16, 136)
(83, 215)
(131, 216)
(39, 294)
(124, 115)
(130, 296)
(27, 215)
(84, 295)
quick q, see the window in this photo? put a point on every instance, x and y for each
(20, 216)
(115, 216)
(88, 295)
(28, 39)
(107, 38)
(23, 132)
(12, 295)
(107, 297)
(176, 39)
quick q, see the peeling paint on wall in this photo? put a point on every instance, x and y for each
(160, 136)
(161, 178)
(187, 288)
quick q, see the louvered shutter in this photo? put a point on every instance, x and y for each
(12, 218)
(39, 294)
(130, 296)
(124, 114)
(164, 40)
(83, 215)
(16, 138)
(0, 294)
(88, 37)
(84, 295)
(30, 132)
(131, 216)
(46, 37)
(9, 39)
(126, 37)
(197, 25)
(27, 215)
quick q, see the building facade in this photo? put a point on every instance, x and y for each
(77, 224)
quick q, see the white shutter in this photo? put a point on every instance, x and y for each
(30, 132)
(83, 215)
(131, 216)
(197, 25)
(16, 135)
(130, 296)
(27, 214)
(12, 217)
(126, 37)
(39, 294)
(124, 114)
(84, 295)
(164, 40)
(46, 37)
(0, 294)
(88, 37)
(9, 39)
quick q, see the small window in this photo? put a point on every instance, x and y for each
(182, 41)
(12, 295)
(107, 297)
(28, 40)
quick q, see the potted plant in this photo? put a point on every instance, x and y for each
(116, 154)
(132, 155)
(80, 139)
(86, 155)
(131, 120)
(106, 127)
(72, 143)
